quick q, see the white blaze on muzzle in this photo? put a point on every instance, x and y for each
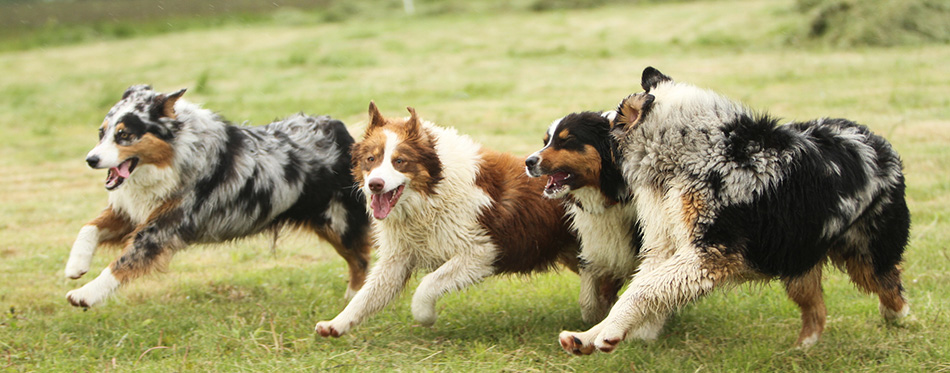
(393, 181)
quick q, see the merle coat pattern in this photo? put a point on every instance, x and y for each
(179, 174)
(725, 195)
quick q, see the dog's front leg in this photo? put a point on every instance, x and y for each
(385, 280)
(598, 292)
(592, 310)
(649, 299)
(150, 247)
(455, 274)
(108, 226)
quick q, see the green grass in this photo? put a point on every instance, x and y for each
(500, 76)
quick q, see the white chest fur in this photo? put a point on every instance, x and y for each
(606, 233)
(143, 192)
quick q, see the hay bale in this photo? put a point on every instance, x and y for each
(877, 22)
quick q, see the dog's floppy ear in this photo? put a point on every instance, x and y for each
(651, 77)
(375, 118)
(631, 111)
(413, 123)
(168, 106)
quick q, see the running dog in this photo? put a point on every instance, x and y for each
(179, 174)
(726, 196)
(443, 203)
(579, 162)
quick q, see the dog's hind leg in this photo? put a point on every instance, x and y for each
(108, 227)
(805, 291)
(871, 251)
(347, 230)
(357, 260)
(355, 250)
(886, 284)
(150, 247)
(455, 274)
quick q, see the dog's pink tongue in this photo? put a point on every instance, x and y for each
(555, 180)
(124, 169)
(380, 204)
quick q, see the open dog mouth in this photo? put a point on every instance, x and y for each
(556, 182)
(382, 203)
(118, 174)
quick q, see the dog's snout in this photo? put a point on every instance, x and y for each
(376, 185)
(531, 162)
(92, 161)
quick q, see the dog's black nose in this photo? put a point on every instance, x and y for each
(376, 185)
(531, 161)
(93, 161)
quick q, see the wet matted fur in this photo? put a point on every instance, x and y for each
(179, 174)
(444, 203)
(725, 196)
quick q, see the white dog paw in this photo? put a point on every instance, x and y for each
(608, 340)
(576, 343)
(80, 256)
(84, 297)
(331, 329)
(425, 316)
(75, 270)
(95, 291)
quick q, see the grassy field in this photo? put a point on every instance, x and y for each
(500, 76)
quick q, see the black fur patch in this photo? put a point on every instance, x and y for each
(776, 232)
(233, 147)
(591, 128)
(651, 77)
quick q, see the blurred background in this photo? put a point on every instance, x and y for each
(499, 71)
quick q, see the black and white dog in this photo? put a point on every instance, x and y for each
(179, 174)
(579, 161)
(726, 196)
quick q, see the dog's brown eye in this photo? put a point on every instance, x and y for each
(122, 135)
(399, 161)
(370, 159)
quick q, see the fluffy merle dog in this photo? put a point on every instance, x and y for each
(179, 174)
(726, 196)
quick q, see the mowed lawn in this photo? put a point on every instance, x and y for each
(500, 77)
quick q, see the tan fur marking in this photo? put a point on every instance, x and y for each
(168, 109)
(583, 165)
(564, 134)
(886, 285)
(113, 228)
(806, 292)
(140, 265)
(150, 150)
(630, 109)
(357, 260)
(693, 206)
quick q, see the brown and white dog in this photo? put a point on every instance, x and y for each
(725, 195)
(445, 204)
(179, 174)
